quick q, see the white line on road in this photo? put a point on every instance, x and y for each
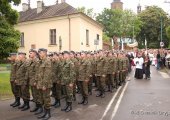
(110, 103)
(118, 102)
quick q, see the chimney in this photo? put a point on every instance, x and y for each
(25, 7)
(62, 1)
(39, 6)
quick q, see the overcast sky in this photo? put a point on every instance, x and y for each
(99, 5)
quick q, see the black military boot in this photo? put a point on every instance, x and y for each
(85, 101)
(27, 106)
(82, 101)
(57, 104)
(99, 94)
(35, 108)
(65, 107)
(103, 94)
(14, 102)
(22, 106)
(17, 102)
(69, 108)
(48, 115)
(43, 115)
(40, 110)
(74, 97)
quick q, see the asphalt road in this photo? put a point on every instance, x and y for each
(137, 100)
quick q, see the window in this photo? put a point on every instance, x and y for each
(52, 36)
(22, 40)
(98, 36)
(87, 37)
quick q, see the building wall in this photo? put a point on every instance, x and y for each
(37, 32)
(93, 31)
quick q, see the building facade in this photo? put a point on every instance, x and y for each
(117, 4)
(58, 27)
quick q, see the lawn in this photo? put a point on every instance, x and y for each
(5, 88)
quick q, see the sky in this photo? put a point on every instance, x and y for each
(99, 5)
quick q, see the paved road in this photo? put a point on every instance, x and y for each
(137, 100)
(146, 99)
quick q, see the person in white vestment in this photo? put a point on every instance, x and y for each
(138, 61)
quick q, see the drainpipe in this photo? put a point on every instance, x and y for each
(69, 20)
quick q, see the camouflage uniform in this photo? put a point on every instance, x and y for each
(56, 82)
(117, 72)
(23, 83)
(110, 65)
(120, 70)
(101, 75)
(14, 87)
(43, 79)
(83, 78)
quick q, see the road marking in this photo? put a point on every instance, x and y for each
(110, 103)
(164, 75)
(119, 100)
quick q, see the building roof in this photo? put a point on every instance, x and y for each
(47, 12)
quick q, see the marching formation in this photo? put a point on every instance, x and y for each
(63, 75)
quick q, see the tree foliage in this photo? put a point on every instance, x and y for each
(9, 37)
(151, 29)
(88, 12)
(119, 23)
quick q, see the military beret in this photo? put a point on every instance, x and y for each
(55, 53)
(84, 52)
(42, 49)
(66, 52)
(50, 54)
(72, 52)
(32, 50)
(21, 53)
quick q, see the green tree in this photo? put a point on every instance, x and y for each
(9, 37)
(168, 34)
(151, 29)
(88, 12)
(119, 23)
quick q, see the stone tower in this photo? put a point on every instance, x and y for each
(117, 4)
(139, 8)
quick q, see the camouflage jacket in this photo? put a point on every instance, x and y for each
(21, 73)
(110, 65)
(67, 73)
(43, 74)
(31, 70)
(101, 66)
(13, 71)
(55, 71)
(84, 70)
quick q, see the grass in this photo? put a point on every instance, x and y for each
(5, 88)
(4, 65)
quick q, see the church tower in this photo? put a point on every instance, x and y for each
(139, 8)
(117, 4)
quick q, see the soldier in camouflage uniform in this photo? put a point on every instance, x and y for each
(44, 83)
(116, 77)
(14, 88)
(30, 76)
(111, 69)
(120, 66)
(101, 74)
(22, 82)
(75, 61)
(56, 80)
(83, 78)
(67, 80)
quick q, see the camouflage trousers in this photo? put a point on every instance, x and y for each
(15, 89)
(110, 80)
(44, 98)
(57, 92)
(117, 80)
(67, 92)
(90, 84)
(83, 88)
(24, 92)
(101, 83)
(34, 92)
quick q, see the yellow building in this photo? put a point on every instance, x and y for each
(58, 27)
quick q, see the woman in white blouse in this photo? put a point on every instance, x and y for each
(139, 66)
